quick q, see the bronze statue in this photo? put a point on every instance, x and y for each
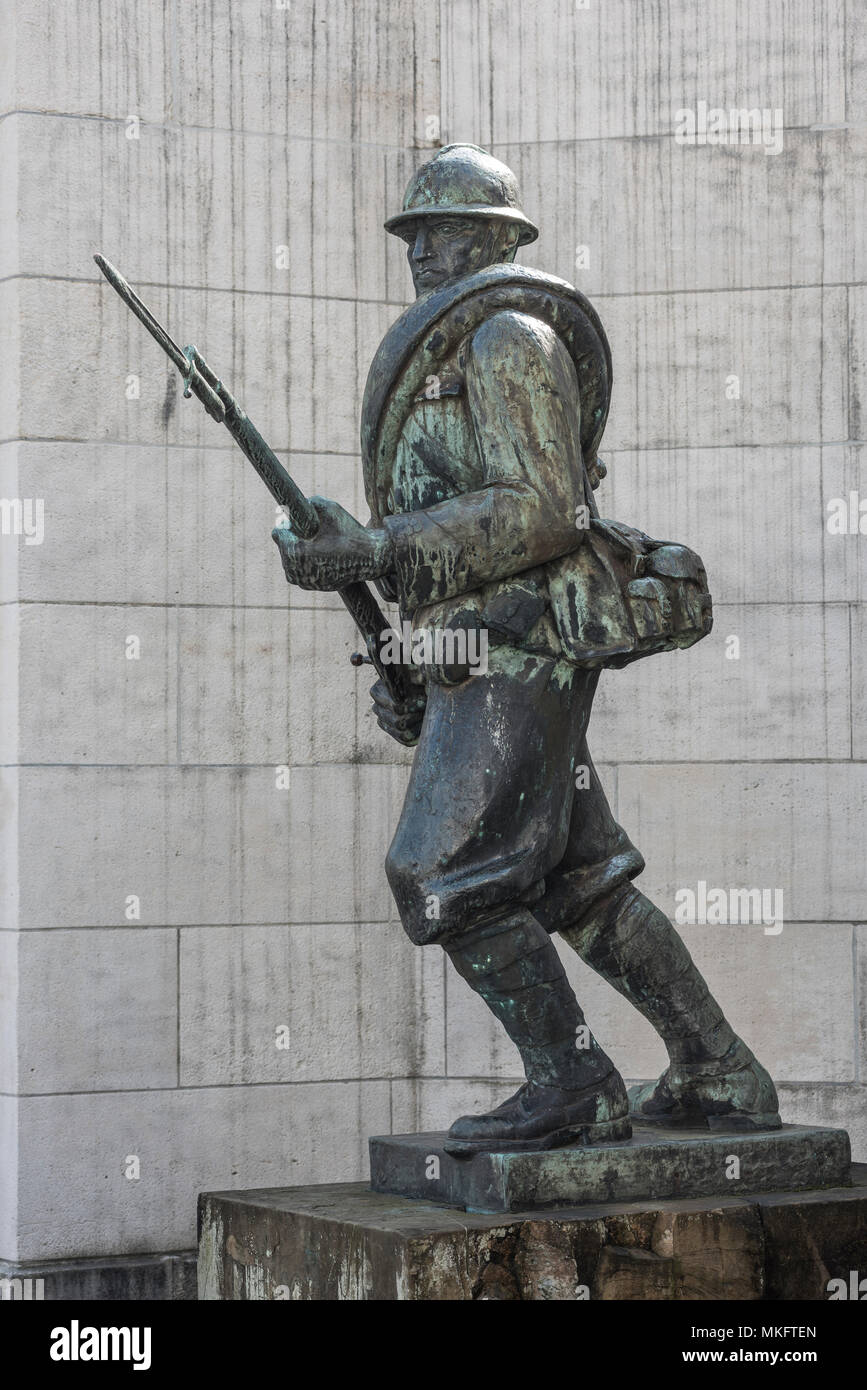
(483, 413)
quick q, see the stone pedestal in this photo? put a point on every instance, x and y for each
(345, 1242)
(655, 1163)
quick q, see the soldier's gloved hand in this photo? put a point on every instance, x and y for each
(402, 720)
(341, 552)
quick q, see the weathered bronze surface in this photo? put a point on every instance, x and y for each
(483, 414)
(655, 1163)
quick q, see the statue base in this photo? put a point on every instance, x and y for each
(656, 1163)
(344, 1242)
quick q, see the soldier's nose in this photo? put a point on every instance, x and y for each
(421, 248)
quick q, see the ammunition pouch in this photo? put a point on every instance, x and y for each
(621, 596)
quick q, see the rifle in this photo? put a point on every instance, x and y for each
(201, 382)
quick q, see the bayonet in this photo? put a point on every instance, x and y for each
(200, 381)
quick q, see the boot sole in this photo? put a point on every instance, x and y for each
(605, 1132)
(696, 1119)
(771, 1120)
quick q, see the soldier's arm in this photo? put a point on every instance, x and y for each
(523, 395)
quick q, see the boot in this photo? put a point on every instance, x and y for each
(573, 1093)
(713, 1079)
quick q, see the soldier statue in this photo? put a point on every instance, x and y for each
(482, 417)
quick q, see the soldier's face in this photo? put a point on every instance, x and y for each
(440, 249)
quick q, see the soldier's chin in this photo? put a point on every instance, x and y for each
(430, 280)
(425, 282)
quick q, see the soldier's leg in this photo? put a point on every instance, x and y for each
(713, 1076)
(573, 1092)
(486, 816)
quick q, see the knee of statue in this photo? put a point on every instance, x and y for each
(403, 875)
(416, 897)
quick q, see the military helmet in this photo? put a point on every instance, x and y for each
(466, 181)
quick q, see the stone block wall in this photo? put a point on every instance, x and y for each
(176, 906)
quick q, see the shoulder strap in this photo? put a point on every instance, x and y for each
(431, 328)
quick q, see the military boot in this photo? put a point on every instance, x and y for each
(573, 1092)
(713, 1079)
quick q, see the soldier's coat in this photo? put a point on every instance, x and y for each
(480, 497)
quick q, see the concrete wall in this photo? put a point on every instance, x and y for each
(190, 143)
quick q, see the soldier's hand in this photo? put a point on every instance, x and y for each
(400, 719)
(341, 552)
